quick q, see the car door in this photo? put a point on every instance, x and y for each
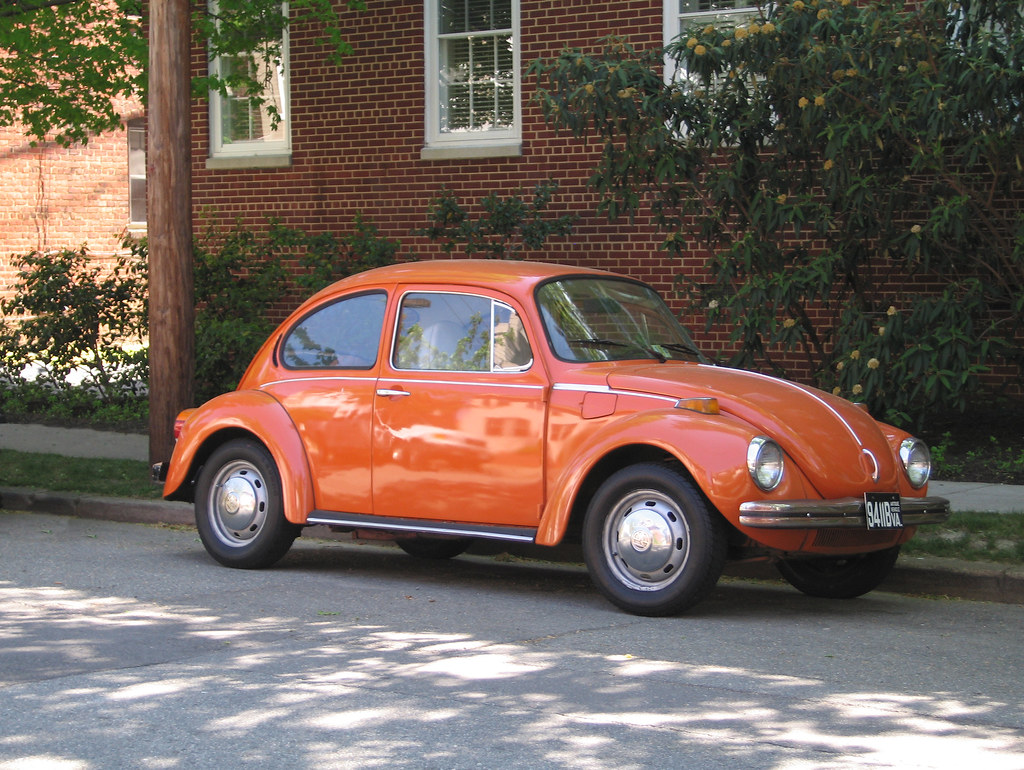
(331, 359)
(459, 413)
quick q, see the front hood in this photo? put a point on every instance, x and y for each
(838, 446)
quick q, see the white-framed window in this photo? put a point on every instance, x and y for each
(245, 135)
(472, 77)
(681, 13)
(137, 171)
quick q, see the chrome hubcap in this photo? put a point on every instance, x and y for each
(238, 503)
(646, 540)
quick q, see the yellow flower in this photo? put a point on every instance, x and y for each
(819, 101)
(851, 73)
(891, 311)
(754, 28)
(840, 366)
(767, 28)
(782, 198)
(798, 5)
(789, 323)
(873, 363)
(803, 102)
(881, 331)
(855, 355)
(823, 14)
(709, 29)
(836, 390)
(726, 43)
(858, 389)
(589, 88)
(915, 229)
(700, 50)
(740, 33)
(829, 164)
(691, 42)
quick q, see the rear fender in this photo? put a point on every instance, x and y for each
(246, 412)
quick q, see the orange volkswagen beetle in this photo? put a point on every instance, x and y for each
(441, 402)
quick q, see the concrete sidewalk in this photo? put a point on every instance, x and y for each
(912, 575)
(83, 442)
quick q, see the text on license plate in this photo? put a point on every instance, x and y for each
(882, 510)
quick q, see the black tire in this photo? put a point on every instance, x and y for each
(240, 509)
(839, 577)
(651, 544)
(434, 547)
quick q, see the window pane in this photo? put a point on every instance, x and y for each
(460, 16)
(345, 334)
(511, 347)
(449, 332)
(706, 6)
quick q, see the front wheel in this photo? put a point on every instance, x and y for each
(839, 577)
(650, 543)
(240, 508)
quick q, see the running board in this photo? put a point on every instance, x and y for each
(422, 526)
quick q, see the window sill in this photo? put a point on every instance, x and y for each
(461, 151)
(280, 160)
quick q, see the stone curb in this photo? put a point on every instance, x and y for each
(976, 581)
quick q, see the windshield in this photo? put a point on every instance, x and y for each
(608, 319)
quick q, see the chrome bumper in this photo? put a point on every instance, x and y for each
(843, 512)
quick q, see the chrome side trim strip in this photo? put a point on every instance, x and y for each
(843, 512)
(422, 526)
(570, 387)
(406, 380)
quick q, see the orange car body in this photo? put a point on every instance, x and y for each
(515, 452)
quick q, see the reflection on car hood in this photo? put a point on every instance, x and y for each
(838, 445)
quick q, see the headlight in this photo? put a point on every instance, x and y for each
(917, 461)
(765, 463)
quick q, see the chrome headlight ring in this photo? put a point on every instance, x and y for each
(766, 463)
(917, 461)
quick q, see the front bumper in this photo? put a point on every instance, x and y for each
(843, 512)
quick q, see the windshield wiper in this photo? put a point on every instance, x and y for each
(604, 343)
(679, 347)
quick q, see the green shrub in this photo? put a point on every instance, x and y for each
(74, 324)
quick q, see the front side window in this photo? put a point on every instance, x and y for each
(240, 128)
(472, 53)
(460, 332)
(342, 335)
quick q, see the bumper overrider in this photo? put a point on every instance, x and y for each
(843, 512)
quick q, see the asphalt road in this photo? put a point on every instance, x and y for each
(123, 645)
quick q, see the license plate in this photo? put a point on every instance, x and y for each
(882, 510)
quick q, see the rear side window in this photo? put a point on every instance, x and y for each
(342, 335)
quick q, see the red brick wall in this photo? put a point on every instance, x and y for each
(357, 132)
(56, 197)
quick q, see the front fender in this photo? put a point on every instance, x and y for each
(254, 413)
(712, 448)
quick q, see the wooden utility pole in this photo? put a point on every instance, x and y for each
(169, 186)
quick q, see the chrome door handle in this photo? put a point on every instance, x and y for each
(388, 392)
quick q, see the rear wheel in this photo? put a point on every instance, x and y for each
(839, 577)
(240, 508)
(650, 542)
(434, 547)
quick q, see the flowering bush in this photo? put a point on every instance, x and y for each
(829, 155)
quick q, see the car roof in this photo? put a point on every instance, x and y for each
(511, 275)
